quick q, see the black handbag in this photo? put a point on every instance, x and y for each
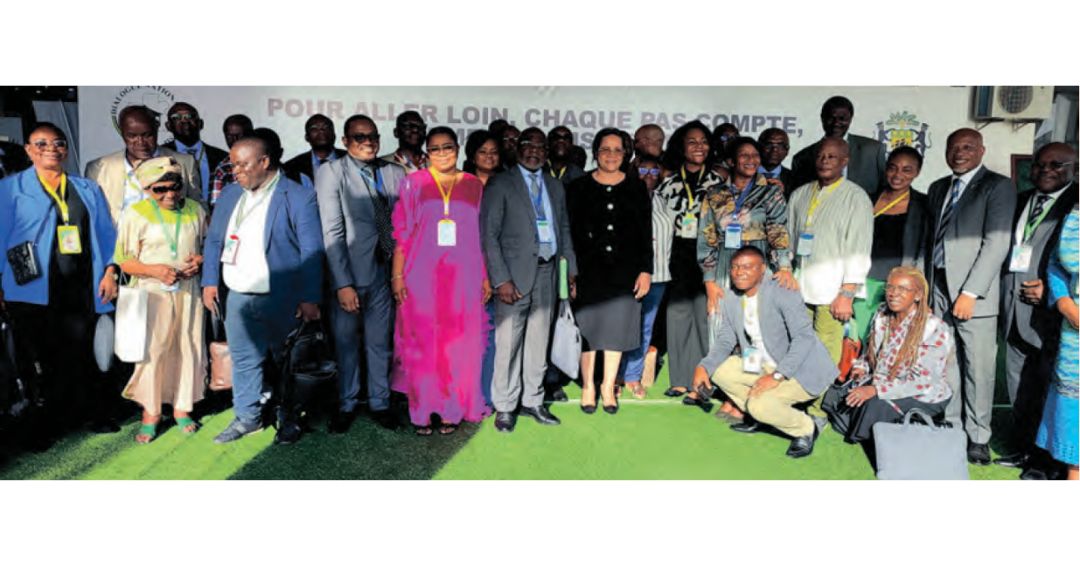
(23, 259)
(835, 405)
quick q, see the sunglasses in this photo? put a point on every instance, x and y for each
(361, 138)
(163, 190)
(648, 171)
(42, 145)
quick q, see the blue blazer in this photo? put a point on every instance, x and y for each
(292, 240)
(27, 213)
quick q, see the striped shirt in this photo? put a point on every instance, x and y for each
(663, 230)
(843, 234)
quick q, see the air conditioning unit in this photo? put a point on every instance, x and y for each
(1014, 103)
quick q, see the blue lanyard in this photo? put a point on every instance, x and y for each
(377, 181)
(739, 200)
(538, 202)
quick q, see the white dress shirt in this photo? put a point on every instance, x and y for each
(251, 272)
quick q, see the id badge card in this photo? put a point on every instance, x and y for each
(447, 233)
(232, 248)
(543, 229)
(1020, 260)
(733, 236)
(689, 226)
(751, 360)
(806, 244)
(68, 239)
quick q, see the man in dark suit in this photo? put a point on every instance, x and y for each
(775, 146)
(1028, 324)
(866, 167)
(265, 244)
(781, 362)
(969, 231)
(356, 197)
(186, 127)
(525, 230)
(560, 165)
(410, 131)
(319, 133)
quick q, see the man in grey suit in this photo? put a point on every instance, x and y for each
(969, 229)
(1028, 324)
(781, 362)
(866, 166)
(356, 196)
(525, 230)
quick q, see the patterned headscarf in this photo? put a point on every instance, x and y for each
(156, 170)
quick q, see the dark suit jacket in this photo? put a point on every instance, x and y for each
(1035, 324)
(866, 167)
(787, 177)
(302, 164)
(976, 241)
(214, 156)
(787, 332)
(292, 241)
(508, 229)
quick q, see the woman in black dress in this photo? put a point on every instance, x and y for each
(611, 225)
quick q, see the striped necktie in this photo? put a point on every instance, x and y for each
(946, 219)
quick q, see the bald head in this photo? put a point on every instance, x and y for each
(832, 157)
(1054, 167)
(964, 150)
(251, 162)
(649, 141)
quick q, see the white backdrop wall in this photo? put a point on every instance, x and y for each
(583, 109)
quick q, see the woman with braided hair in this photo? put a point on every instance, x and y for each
(904, 362)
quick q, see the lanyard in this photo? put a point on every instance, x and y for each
(1033, 223)
(559, 174)
(814, 202)
(741, 198)
(376, 180)
(689, 193)
(59, 196)
(174, 240)
(892, 204)
(445, 193)
(241, 214)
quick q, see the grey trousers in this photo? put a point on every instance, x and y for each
(972, 377)
(377, 315)
(687, 336)
(522, 331)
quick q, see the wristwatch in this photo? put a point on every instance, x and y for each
(778, 376)
(846, 293)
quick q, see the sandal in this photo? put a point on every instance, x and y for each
(183, 423)
(636, 388)
(447, 428)
(424, 431)
(147, 433)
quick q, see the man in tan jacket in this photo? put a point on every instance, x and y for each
(115, 172)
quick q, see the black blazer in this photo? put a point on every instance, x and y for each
(302, 164)
(612, 232)
(214, 156)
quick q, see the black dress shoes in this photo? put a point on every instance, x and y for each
(541, 414)
(803, 446)
(1012, 460)
(978, 454)
(288, 433)
(341, 421)
(588, 409)
(611, 409)
(558, 395)
(748, 425)
(672, 392)
(504, 422)
(385, 418)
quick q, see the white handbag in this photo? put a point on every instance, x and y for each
(131, 307)
(566, 341)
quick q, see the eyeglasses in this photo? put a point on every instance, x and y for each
(899, 289)
(527, 145)
(442, 149)
(42, 145)
(510, 139)
(611, 151)
(178, 116)
(648, 171)
(1051, 165)
(163, 190)
(361, 138)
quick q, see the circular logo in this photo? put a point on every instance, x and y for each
(156, 98)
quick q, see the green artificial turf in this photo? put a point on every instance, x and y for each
(654, 439)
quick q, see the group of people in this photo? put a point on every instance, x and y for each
(445, 280)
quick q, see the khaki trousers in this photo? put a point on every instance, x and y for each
(774, 407)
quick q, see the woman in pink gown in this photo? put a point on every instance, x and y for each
(440, 285)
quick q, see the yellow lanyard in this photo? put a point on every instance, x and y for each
(558, 175)
(445, 193)
(689, 193)
(814, 201)
(60, 197)
(892, 204)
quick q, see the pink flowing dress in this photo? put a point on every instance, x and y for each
(439, 330)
